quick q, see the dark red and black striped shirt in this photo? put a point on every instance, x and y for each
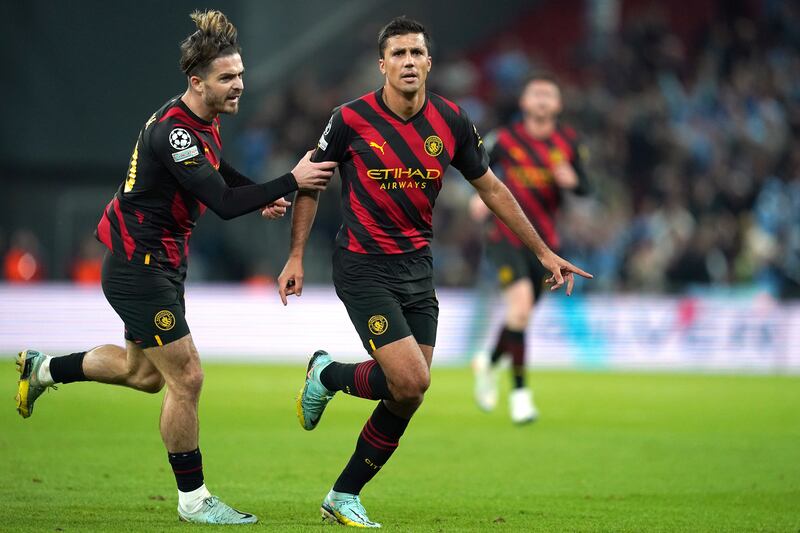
(525, 165)
(176, 169)
(392, 169)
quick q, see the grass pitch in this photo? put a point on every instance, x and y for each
(612, 452)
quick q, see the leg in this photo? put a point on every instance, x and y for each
(519, 297)
(122, 366)
(406, 365)
(179, 363)
(104, 364)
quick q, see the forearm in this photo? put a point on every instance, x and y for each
(231, 202)
(303, 213)
(503, 204)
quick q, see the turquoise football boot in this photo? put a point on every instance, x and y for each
(29, 387)
(215, 511)
(314, 396)
(345, 509)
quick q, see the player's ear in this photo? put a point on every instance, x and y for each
(195, 82)
(382, 66)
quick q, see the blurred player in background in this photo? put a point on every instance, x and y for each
(175, 172)
(538, 159)
(393, 146)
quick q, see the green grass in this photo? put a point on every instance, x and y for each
(612, 452)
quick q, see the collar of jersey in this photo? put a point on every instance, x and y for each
(379, 98)
(191, 114)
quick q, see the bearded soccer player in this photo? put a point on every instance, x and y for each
(393, 147)
(538, 159)
(175, 172)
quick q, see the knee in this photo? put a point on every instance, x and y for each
(151, 383)
(188, 384)
(518, 318)
(412, 390)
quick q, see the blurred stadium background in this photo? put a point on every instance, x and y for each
(691, 117)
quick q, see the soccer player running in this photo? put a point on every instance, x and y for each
(537, 159)
(393, 146)
(176, 170)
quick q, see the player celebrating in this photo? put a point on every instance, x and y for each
(176, 170)
(537, 159)
(393, 147)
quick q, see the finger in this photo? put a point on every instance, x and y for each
(558, 279)
(282, 293)
(282, 202)
(578, 271)
(298, 286)
(570, 282)
(326, 165)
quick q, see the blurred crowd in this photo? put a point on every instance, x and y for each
(694, 150)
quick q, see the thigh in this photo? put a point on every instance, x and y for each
(149, 302)
(138, 363)
(418, 297)
(537, 274)
(509, 261)
(404, 361)
(373, 307)
(176, 361)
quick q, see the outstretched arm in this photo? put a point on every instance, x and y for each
(290, 280)
(499, 199)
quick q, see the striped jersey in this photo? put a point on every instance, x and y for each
(392, 169)
(150, 218)
(525, 164)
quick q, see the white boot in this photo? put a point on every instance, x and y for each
(485, 382)
(522, 408)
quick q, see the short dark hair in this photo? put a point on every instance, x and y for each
(540, 75)
(215, 37)
(401, 26)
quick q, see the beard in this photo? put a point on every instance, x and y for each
(220, 103)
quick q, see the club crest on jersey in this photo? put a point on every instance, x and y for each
(556, 156)
(180, 139)
(165, 320)
(433, 145)
(378, 324)
(373, 144)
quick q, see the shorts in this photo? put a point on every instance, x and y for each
(514, 264)
(388, 297)
(147, 299)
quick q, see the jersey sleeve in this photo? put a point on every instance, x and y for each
(179, 150)
(332, 144)
(470, 158)
(233, 177)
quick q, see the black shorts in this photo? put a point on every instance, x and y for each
(147, 299)
(514, 264)
(388, 297)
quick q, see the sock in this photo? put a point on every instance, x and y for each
(43, 375)
(505, 340)
(68, 368)
(190, 502)
(365, 380)
(188, 469)
(376, 443)
(516, 347)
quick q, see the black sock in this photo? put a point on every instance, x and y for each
(68, 368)
(188, 469)
(516, 347)
(365, 380)
(505, 341)
(376, 443)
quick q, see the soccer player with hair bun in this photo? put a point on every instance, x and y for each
(175, 172)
